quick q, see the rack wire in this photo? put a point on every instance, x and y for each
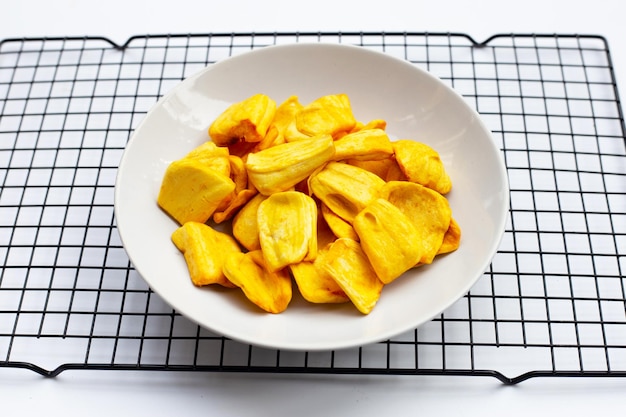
(552, 303)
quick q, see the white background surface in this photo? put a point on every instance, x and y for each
(108, 393)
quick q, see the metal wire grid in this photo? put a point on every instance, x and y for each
(553, 302)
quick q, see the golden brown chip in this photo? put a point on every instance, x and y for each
(421, 164)
(338, 226)
(285, 119)
(344, 188)
(325, 235)
(271, 291)
(244, 121)
(315, 285)
(205, 250)
(348, 265)
(389, 239)
(452, 238)
(369, 144)
(245, 224)
(192, 191)
(428, 210)
(283, 166)
(287, 224)
(214, 157)
(328, 115)
(242, 193)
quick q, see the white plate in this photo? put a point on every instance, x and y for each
(415, 105)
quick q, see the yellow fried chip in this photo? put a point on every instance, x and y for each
(338, 226)
(244, 121)
(272, 138)
(205, 250)
(240, 195)
(325, 235)
(271, 291)
(327, 115)
(287, 224)
(315, 285)
(387, 168)
(245, 224)
(283, 166)
(285, 119)
(345, 189)
(421, 164)
(369, 144)
(389, 239)
(348, 265)
(428, 210)
(192, 191)
(452, 238)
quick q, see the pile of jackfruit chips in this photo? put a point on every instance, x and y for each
(314, 197)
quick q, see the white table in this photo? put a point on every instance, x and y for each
(97, 393)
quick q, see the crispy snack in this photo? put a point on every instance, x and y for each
(328, 115)
(271, 291)
(246, 226)
(192, 190)
(283, 166)
(422, 164)
(213, 156)
(337, 225)
(242, 193)
(452, 238)
(315, 284)
(348, 265)
(389, 239)
(428, 210)
(325, 235)
(285, 120)
(205, 250)
(287, 224)
(364, 145)
(345, 189)
(244, 121)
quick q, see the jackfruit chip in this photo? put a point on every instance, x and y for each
(287, 229)
(375, 124)
(286, 114)
(369, 144)
(283, 166)
(426, 209)
(244, 121)
(325, 235)
(345, 189)
(234, 205)
(207, 150)
(315, 285)
(421, 164)
(245, 224)
(271, 291)
(452, 238)
(388, 238)
(348, 265)
(272, 138)
(327, 115)
(205, 250)
(192, 191)
(212, 156)
(338, 226)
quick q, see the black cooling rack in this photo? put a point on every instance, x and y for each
(553, 302)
